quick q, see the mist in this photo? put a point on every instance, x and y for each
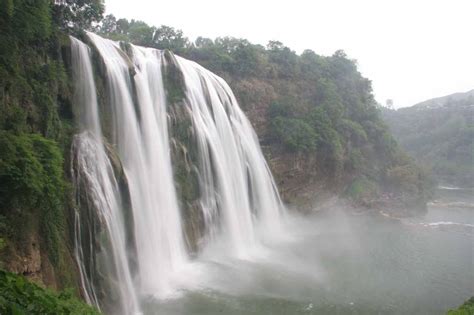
(337, 259)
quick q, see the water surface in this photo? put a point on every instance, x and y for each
(339, 262)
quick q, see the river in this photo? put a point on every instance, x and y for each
(340, 262)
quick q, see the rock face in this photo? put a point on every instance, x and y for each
(183, 154)
(302, 179)
(27, 259)
(28, 255)
(366, 151)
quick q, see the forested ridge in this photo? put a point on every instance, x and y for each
(315, 116)
(439, 133)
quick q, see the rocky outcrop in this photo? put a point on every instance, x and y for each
(184, 154)
(26, 258)
(301, 178)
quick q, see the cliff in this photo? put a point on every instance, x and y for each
(439, 133)
(321, 131)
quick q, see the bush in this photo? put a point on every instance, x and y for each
(295, 134)
(21, 172)
(466, 309)
(362, 190)
(19, 296)
(353, 131)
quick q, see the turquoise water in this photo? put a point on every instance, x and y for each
(337, 262)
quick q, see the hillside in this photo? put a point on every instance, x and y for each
(439, 132)
(314, 115)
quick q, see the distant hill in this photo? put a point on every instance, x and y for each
(440, 133)
(457, 100)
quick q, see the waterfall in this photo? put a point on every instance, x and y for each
(92, 169)
(131, 235)
(239, 177)
(143, 148)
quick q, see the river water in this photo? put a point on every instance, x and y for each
(340, 262)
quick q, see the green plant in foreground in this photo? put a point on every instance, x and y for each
(19, 296)
(466, 309)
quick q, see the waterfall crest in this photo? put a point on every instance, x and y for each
(133, 232)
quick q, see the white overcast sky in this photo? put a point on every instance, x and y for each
(411, 50)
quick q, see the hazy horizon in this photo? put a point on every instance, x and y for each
(410, 51)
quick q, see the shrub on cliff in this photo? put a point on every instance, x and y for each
(19, 296)
(296, 134)
(31, 181)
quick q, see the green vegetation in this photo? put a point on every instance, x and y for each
(19, 296)
(295, 134)
(439, 133)
(466, 309)
(363, 190)
(140, 33)
(31, 178)
(77, 15)
(36, 127)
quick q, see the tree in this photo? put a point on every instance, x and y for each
(109, 24)
(284, 61)
(295, 134)
(248, 61)
(27, 20)
(78, 14)
(275, 45)
(203, 42)
(167, 37)
(140, 33)
(122, 26)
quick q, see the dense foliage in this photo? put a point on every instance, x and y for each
(36, 126)
(140, 33)
(77, 15)
(439, 133)
(31, 182)
(19, 296)
(306, 104)
(466, 309)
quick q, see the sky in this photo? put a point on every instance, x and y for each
(411, 50)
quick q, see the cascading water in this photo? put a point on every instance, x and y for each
(93, 169)
(139, 221)
(142, 145)
(239, 177)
